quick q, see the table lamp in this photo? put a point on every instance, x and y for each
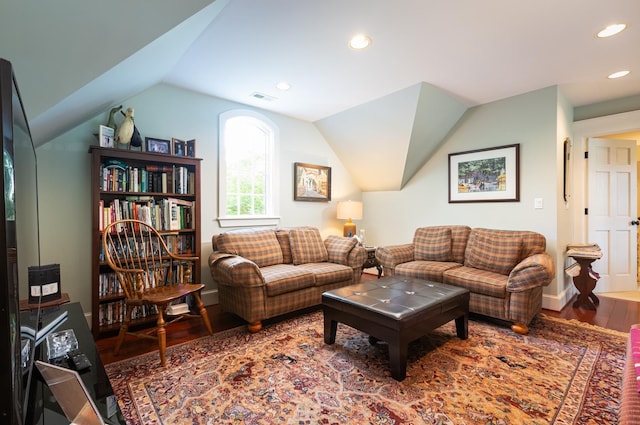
(348, 210)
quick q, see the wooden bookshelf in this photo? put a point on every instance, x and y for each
(160, 188)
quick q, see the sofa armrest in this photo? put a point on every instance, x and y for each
(357, 257)
(390, 256)
(535, 270)
(233, 270)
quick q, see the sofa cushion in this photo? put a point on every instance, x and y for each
(328, 273)
(338, 248)
(432, 244)
(498, 253)
(284, 278)
(285, 245)
(307, 246)
(259, 246)
(426, 270)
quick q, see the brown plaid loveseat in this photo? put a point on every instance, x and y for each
(263, 273)
(504, 270)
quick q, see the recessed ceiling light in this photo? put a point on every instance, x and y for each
(611, 30)
(618, 74)
(360, 41)
(283, 85)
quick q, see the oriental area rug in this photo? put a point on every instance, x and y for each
(562, 372)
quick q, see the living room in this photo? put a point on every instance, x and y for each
(539, 119)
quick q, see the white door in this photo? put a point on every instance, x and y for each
(612, 203)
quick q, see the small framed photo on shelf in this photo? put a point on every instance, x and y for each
(157, 145)
(179, 147)
(106, 136)
(191, 148)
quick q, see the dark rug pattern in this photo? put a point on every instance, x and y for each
(562, 372)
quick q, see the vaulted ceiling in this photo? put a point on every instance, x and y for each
(428, 62)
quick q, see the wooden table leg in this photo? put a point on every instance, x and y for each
(585, 285)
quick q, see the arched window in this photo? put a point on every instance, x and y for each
(247, 170)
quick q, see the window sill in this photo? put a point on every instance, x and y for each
(248, 221)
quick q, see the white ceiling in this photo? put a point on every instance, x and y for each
(73, 66)
(478, 51)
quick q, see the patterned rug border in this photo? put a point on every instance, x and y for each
(243, 328)
(217, 335)
(588, 368)
(584, 325)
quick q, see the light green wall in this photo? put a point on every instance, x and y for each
(537, 120)
(532, 121)
(165, 112)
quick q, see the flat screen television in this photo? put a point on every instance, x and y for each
(19, 247)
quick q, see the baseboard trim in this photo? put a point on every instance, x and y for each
(558, 302)
(210, 297)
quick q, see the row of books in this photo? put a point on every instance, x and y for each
(109, 286)
(162, 214)
(117, 176)
(113, 312)
(182, 244)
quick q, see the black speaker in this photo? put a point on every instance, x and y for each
(44, 283)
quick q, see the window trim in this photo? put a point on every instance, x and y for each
(272, 217)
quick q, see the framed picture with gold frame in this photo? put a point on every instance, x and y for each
(312, 183)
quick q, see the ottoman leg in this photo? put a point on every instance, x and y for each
(330, 329)
(462, 326)
(398, 360)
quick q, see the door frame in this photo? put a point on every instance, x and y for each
(582, 131)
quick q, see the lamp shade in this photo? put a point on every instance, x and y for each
(350, 210)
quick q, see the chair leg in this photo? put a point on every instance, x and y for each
(203, 313)
(162, 335)
(124, 328)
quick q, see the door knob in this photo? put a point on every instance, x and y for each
(635, 222)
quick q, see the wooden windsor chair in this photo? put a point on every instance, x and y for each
(151, 277)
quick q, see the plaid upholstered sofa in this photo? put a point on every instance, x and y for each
(504, 270)
(268, 272)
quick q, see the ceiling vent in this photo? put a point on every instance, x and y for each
(262, 96)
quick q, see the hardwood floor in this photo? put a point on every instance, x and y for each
(612, 313)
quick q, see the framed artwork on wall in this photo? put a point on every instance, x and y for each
(485, 175)
(566, 147)
(312, 183)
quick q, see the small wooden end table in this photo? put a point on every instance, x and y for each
(585, 284)
(371, 260)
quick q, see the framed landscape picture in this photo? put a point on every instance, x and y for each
(311, 182)
(485, 175)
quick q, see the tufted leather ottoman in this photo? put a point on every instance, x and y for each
(397, 310)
